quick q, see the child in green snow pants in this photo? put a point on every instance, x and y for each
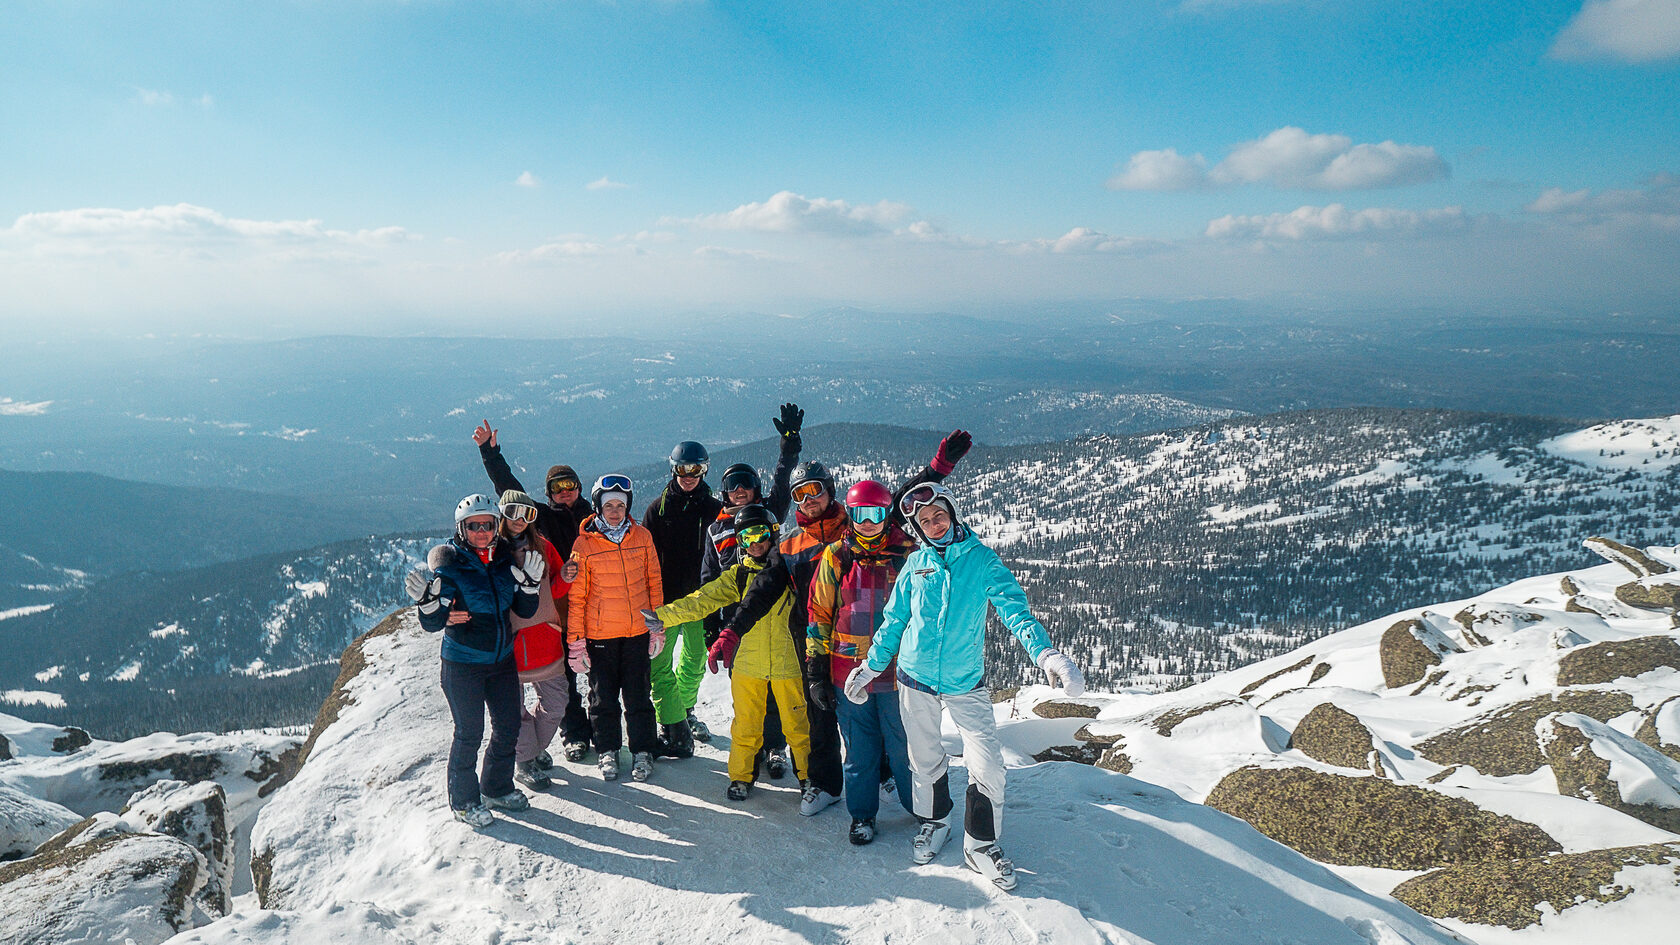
(677, 671)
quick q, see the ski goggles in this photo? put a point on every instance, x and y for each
(479, 526)
(562, 485)
(753, 534)
(610, 483)
(809, 489)
(920, 496)
(690, 470)
(868, 513)
(740, 480)
(519, 513)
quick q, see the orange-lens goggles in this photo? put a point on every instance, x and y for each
(807, 490)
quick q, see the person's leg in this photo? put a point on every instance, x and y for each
(502, 696)
(930, 781)
(972, 713)
(689, 661)
(824, 770)
(575, 728)
(861, 731)
(746, 733)
(639, 712)
(774, 738)
(604, 706)
(789, 695)
(462, 690)
(662, 680)
(542, 721)
(894, 755)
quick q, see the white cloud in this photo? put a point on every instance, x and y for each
(177, 229)
(153, 98)
(1623, 30)
(1290, 158)
(725, 252)
(553, 252)
(1655, 205)
(527, 179)
(604, 183)
(1336, 221)
(1161, 170)
(23, 408)
(205, 101)
(1085, 240)
(788, 212)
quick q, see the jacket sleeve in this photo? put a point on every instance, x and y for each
(439, 618)
(781, 494)
(525, 605)
(1010, 602)
(655, 577)
(712, 596)
(825, 594)
(928, 474)
(711, 564)
(893, 621)
(760, 597)
(501, 476)
(575, 600)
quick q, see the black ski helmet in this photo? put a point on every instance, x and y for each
(689, 453)
(749, 515)
(812, 471)
(611, 482)
(741, 474)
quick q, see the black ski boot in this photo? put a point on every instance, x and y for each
(676, 741)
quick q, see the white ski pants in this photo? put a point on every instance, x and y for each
(972, 713)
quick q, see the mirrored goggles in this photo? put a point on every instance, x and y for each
(519, 513)
(609, 483)
(753, 534)
(562, 485)
(740, 480)
(868, 513)
(916, 498)
(690, 470)
(480, 526)
(809, 489)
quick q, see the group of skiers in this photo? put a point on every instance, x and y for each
(846, 638)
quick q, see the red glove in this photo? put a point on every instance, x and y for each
(951, 449)
(723, 651)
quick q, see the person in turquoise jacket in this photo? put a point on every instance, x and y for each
(935, 625)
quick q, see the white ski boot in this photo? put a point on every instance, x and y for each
(813, 799)
(929, 839)
(609, 766)
(988, 860)
(641, 767)
(477, 816)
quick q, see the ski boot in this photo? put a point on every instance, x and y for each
(532, 775)
(698, 728)
(641, 766)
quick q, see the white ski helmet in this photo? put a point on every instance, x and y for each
(472, 506)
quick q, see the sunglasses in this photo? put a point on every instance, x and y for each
(562, 485)
(519, 513)
(868, 513)
(690, 470)
(621, 483)
(807, 490)
(481, 526)
(753, 534)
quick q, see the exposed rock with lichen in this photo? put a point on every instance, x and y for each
(113, 887)
(1576, 748)
(1005, 694)
(1366, 821)
(1305, 660)
(1101, 740)
(1651, 595)
(1065, 709)
(1502, 743)
(1083, 753)
(5, 749)
(196, 814)
(1408, 649)
(1613, 659)
(1508, 893)
(1574, 606)
(1116, 759)
(1664, 718)
(73, 739)
(1166, 722)
(1640, 563)
(1334, 736)
(1319, 672)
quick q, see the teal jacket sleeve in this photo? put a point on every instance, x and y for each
(893, 621)
(1010, 602)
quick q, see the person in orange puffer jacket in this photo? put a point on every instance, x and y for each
(617, 576)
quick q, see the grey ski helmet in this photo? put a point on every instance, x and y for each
(472, 506)
(812, 471)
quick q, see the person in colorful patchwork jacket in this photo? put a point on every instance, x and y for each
(935, 625)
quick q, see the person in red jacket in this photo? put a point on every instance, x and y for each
(539, 643)
(617, 577)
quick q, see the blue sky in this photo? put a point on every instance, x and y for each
(401, 165)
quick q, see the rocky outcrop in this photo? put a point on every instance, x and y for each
(73, 739)
(1592, 761)
(103, 886)
(1502, 742)
(1665, 718)
(1613, 659)
(196, 814)
(1294, 667)
(1509, 892)
(1334, 736)
(1065, 709)
(1651, 594)
(1640, 563)
(27, 822)
(1166, 722)
(5, 749)
(1366, 821)
(1408, 649)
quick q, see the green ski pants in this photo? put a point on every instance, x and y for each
(677, 671)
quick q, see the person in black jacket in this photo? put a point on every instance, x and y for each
(558, 520)
(469, 589)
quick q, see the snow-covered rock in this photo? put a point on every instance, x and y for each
(27, 822)
(196, 814)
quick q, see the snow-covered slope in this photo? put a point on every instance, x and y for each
(361, 844)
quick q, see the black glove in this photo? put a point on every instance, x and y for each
(792, 417)
(819, 686)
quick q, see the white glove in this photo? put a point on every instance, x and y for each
(857, 684)
(529, 574)
(656, 642)
(1062, 672)
(423, 587)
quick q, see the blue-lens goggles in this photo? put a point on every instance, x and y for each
(868, 513)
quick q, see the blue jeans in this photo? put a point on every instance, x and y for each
(872, 730)
(471, 689)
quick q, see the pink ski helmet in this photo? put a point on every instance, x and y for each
(869, 493)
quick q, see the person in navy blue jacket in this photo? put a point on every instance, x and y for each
(472, 584)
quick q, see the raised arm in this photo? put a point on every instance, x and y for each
(951, 450)
(780, 498)
(489, 450)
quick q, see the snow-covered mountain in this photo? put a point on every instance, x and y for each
(1508, 764)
